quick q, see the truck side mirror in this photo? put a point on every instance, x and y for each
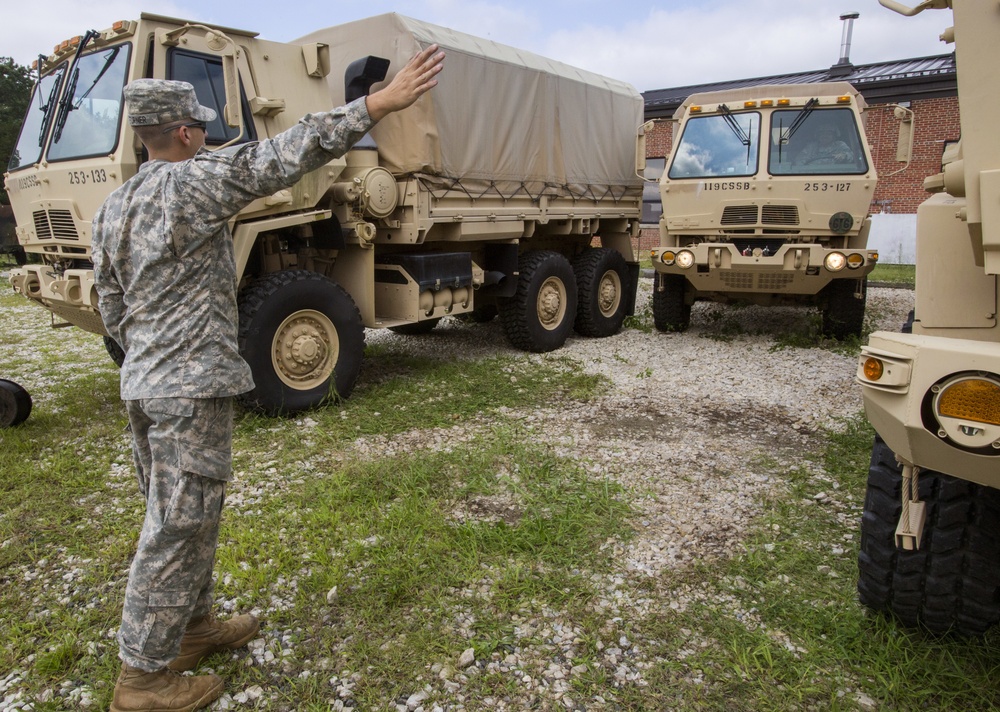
(904, 145)
(640, 148)
(361, 74)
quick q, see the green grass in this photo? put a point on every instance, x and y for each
(381, 537)
(903, 275)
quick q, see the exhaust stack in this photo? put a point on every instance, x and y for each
(843, 67)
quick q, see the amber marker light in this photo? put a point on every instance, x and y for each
(695, 109)
(873, 369)
(749, 104)
(767, 102)
(975, 399)
(784, 102)
(854, 260)
(843, 100)
(667, 257)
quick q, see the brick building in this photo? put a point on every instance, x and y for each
(926, 85)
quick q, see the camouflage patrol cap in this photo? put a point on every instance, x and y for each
(152, 102)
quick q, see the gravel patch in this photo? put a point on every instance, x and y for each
(693, 428)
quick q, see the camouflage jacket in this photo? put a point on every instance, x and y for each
(163, 256)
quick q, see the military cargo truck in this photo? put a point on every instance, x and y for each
(765, 199)
(509, 189)
(930, 533)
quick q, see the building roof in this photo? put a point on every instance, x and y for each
(879, 83)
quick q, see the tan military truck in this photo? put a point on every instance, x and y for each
(930, 533)
(765, 199)
(511, 188)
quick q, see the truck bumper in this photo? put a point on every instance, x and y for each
(792, 269)
(70, 296)
(935, 401)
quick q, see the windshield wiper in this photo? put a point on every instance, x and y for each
(802, 116)
(48, 106)
(734, 125)
(66, 103)
(107, 65)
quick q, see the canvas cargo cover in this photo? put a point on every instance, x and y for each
(500, 118)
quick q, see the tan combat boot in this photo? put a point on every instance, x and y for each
(163, 691)
(204, 636)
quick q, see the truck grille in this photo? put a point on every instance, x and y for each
(737, 280)
(55, 223)
(739, 215)
(780, 215)
(748, 281)
(774, 282)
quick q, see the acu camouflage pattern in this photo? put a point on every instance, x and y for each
(182, 450)
(163, 257)
(152, 102)
(166, 277)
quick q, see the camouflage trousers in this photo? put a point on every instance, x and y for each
(183, 457)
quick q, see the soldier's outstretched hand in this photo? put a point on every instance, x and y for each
(416, 78)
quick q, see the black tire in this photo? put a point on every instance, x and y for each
(602, 282)
(116, 352)
(303, 337)
(539, 317)
(484, 314)
(416, 328)
(952, 584)
(670, 310)
(15, 404)
(843, 309)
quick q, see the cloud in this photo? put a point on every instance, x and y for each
(651, 45)
(730, 40)
(35, 27)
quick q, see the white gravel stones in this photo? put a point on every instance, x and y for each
(692, 428)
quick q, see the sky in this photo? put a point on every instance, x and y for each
(651, 45)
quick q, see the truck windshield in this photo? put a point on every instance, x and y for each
(88, 125)
(717, 146)
(37, 121)
(826, 141)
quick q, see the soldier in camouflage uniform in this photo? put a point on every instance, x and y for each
(165, 273)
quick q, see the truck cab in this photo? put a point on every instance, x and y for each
(435, 213)
(765, 199)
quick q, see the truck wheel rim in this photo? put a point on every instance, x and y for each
(609, 293)
(551, 303)
(305, 349)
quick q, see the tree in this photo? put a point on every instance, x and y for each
(15, 93)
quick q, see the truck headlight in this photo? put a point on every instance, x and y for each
(667, 257)
(685, 258)
(835, 261)
(967, 407)
(855, 260)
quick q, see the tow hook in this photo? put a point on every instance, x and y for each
(910, 530)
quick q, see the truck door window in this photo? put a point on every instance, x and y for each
(826, 142)
(652, 207)
(717, 146)
(204, 72)
(44, 101)
(89, 124)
